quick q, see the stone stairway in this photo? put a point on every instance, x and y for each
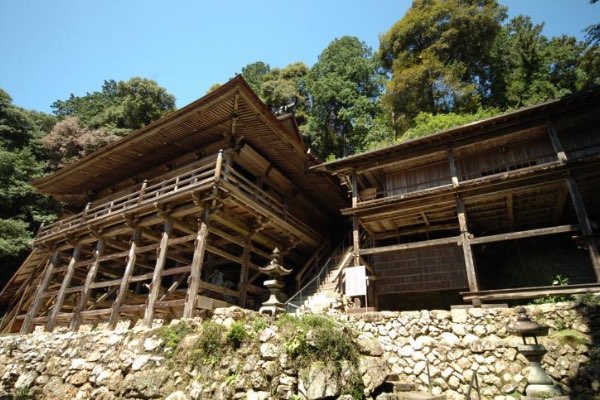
(325, 293)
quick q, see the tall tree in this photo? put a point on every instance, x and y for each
(119, 106)
(69, 140)
(254, 73)
(283, 87)
(98, 118)
(592, 32)
(344, 87)
(21, 210)
(531, 68)
(438, 56)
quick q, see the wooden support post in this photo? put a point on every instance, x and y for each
(60, 297)
(510, 211)
(585, 224)
(453, 169)
(244, 271)
(467, 250)
(53, 263)
(560, 152)
(122, 294)
(196, 268)
(355, 222)
(218, 166)
(89, 279)
(156, 277)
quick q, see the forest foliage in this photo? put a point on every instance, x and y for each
(443, 64)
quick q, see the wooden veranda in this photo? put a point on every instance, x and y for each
(426, 204)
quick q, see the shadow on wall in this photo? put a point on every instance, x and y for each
(532, 262)
(586, 380)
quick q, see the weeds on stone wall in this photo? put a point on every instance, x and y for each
(310, 339)
(210, 346)
(171, 335)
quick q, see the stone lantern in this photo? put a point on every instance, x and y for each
(274, 305)
(539, 383)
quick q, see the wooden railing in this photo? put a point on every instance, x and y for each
(202, 177)
(235, 180)
(145, 194)
(463, 176)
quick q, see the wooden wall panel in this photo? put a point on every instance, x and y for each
(506, 158)
(434, 268)
(418, 179)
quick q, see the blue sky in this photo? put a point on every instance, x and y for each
(53, 48)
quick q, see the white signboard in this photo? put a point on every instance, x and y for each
(356, 281)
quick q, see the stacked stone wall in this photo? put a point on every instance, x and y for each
(453, 345)
(427, 350)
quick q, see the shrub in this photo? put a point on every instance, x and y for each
(172, 334)
(210, 346)
(237, 335)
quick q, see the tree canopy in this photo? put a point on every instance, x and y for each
(21, 160)
(344, 87)
(438, 56)
(120, 106)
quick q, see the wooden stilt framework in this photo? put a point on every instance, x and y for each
(85, 293)
(196, 267)
(52, 264)
(157, 275)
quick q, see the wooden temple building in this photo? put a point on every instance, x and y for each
(425, 212)
(175, 218)
(178, 216)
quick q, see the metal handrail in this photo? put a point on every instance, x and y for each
(318, 278)
(473, 384)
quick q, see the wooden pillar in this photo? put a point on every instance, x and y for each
(131, 257)
(453, 169)
(218, 166)
(85, 292)
(60, 297)
(556, 144)
(355, 222)
(157, 276)
(245, 270)
(196, 268)
(53, 263)
(585, 224)
(582, 215)
(467, 250)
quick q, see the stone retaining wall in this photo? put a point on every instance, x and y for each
(448, 346)
(454, 344)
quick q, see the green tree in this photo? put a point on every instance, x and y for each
(344, 87)
(254, 74)
(119, 107)
(428, 124)
(282, 87)
(531, 68)
(592, 32)
(439, 57)
(21, 209)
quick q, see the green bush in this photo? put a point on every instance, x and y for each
(172, 334)
(259, 324)
(210, 346)
(557, 280)
(237, 335)
(22, 393)
(313, 338)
